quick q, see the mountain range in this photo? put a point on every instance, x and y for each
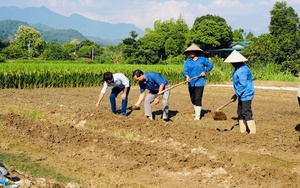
(45, 20)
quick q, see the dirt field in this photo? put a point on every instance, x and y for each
(99, 149)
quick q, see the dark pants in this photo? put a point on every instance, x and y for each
(113, 95)
(244, 110)
(299, 101)
(196, 94)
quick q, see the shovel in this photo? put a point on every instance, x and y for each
(176, 85)
(221, 115)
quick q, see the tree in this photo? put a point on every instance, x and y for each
(70, 47)
(89, 51)
(112, 54)
(54, 51)
(133, 34)
(170, 27)
(172, 35)
(3, 44)
(210, 34)
(14, 52)
(284, 26)
(250, 37)
(238, 35)
(170, 47)
(88, 48)
(150, 46)
(281, 45)
(284, 20)
(130, 48)
(28, 39)
(209, 17)
(262, 50)
(175, 44)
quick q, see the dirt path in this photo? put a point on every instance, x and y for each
(62, 129)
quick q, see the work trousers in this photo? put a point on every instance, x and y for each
(165, 103)
(113, 95)
(244, 110)
(196, 94)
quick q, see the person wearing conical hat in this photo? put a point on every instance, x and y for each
(194, 70)
(244, 91)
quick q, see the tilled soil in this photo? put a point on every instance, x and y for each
(62, 129)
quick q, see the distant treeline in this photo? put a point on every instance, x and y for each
(164, 45)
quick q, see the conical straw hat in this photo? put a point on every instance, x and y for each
(193, 47)
(235, 57)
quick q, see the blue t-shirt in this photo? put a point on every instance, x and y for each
(152, 82)
(195, 68)
(243, 83)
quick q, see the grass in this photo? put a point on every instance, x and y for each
(29, 114)
(124, 134)
(265, 160)
(36, 169)
(272, 72)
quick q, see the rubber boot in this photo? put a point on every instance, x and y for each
(197, 112)
(251, 126)
(194, 110)
(242, 126)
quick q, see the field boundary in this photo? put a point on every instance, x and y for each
(260, 87)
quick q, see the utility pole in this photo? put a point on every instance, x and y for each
(28, 51)
(92, 54)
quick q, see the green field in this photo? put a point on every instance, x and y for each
(66, 74)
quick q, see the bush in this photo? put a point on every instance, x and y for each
(177, 60)
(2, 58)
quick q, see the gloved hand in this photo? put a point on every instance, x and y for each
(234, 97)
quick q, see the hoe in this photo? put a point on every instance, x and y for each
(221, 115)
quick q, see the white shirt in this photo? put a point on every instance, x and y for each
(299, 91)
(120, 80)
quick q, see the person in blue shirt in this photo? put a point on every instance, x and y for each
(155, 83)
(244, 91)
(119, 83)
(194, 70)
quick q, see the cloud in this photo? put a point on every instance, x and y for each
(146, 15)
(248, 16)
(251, 15)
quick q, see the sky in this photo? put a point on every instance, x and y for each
(250, 15)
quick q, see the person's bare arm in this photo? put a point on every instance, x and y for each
(123, 96)
(141, 98)
(158, 97)
(101, 95)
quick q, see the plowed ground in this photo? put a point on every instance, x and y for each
(62, 129)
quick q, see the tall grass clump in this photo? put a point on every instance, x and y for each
(271, 72)
(221, 72)
(266, 72)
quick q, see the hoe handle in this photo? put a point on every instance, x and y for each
(176, 85)
(224, 105)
